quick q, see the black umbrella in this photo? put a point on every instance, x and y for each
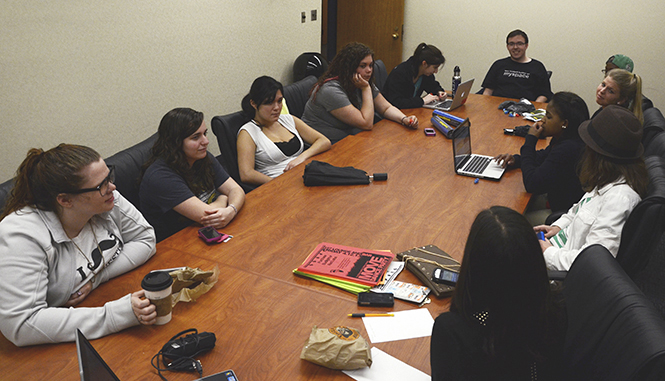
(320, 173)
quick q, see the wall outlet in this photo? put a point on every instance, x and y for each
(313, 18)
(303, 17)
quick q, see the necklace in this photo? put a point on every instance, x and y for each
(91, 264)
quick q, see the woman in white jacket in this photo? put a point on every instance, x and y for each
(64, 231)
(613, 174)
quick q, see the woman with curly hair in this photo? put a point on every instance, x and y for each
(184, 183)
(344, 100)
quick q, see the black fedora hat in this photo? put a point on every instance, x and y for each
(615, 132)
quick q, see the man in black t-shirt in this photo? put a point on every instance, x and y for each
(518, 76)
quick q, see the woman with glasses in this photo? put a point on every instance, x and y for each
(183, 183)
(64, 231)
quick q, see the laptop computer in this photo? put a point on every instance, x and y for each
(468, 164)
(93, 368)
(461, 95)
(91, 364)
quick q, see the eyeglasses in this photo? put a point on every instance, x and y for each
(518, 44)
(103, 187)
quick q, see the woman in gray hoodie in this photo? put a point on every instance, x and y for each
(64, 231)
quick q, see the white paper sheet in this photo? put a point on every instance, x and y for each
(387, 368)
(404, 325)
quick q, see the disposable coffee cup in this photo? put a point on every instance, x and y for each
(157, 287)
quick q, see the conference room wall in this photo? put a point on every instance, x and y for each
(103, 73)
(572, 38)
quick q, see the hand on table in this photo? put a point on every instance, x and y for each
(218, 217)
(410, 121)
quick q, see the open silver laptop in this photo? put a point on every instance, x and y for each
(461, 95)
(468, 164)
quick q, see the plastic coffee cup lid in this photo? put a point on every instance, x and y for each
(156, 281)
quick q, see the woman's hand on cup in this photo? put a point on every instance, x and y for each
(78, 296)
(145, 312)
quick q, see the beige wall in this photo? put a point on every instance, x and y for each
(103, 73)
(572, 38)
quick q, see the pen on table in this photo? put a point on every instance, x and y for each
(369, 315)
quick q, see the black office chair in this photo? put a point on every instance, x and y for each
(128, 164)
(654, 125)
(614, 332)
(225, 128)
(5, 191)
(297, 94)
(380, 74)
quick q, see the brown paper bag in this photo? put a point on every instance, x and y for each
(189, 283)
(337, 348)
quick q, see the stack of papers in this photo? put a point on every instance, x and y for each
(352, 269)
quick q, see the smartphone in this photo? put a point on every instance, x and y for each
(541, 236)
(227, 375)
(376, 299)
(430, 132)
(445, 276)
(210, 235)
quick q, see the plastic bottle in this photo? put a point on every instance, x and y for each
(457, 79)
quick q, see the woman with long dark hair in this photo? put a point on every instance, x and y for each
(613, 174)
(182, 182)
(64, 231)
(344, 100)
(407, 81)
(504, 323)
(272, 143)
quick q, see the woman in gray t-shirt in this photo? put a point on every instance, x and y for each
(344, 100)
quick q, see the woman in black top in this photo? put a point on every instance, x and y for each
(553, 170)
(408, 80)
(504, 322)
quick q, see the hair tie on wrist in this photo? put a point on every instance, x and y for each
(234, 208)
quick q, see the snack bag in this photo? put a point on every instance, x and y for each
(337, 348)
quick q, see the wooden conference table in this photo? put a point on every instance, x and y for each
(261, 313)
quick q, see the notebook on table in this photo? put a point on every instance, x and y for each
(93, 368)
(468, 164)
(461, 95)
